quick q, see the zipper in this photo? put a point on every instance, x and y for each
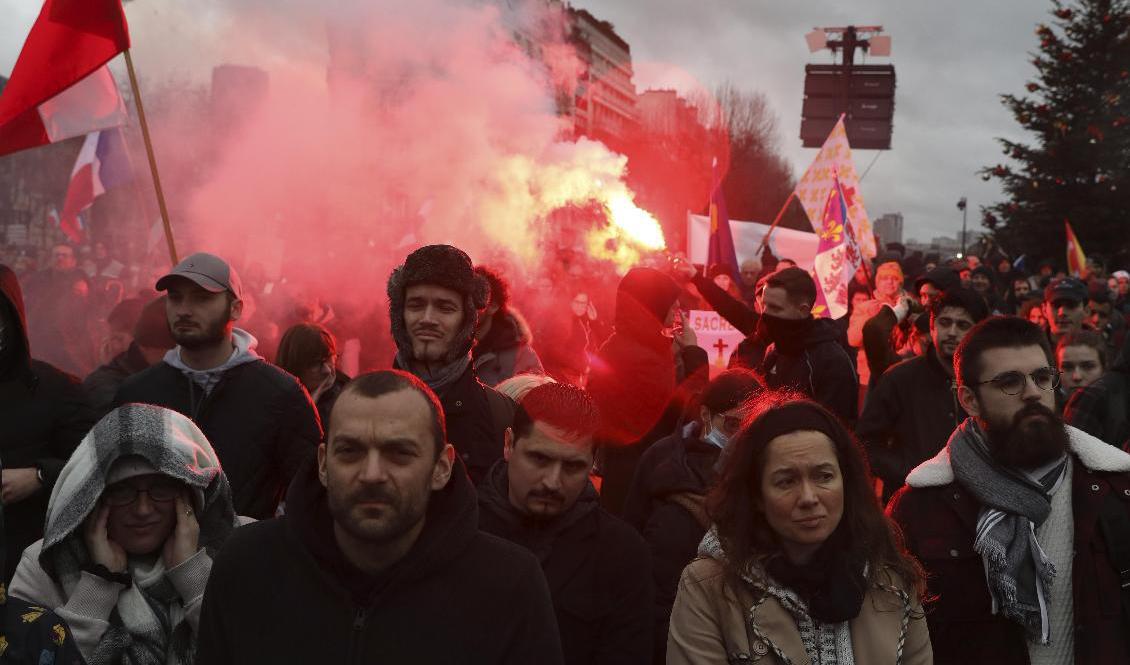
(355, 655)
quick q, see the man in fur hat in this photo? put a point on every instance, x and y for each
(435, 299)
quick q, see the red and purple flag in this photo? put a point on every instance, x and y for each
(837, 255)
(721, 244)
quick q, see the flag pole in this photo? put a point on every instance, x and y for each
(152, 158)
(776, 221)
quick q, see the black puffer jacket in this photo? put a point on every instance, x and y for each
(44, 413)
(597, 569)
(822, 370)
(282, 592)
(910, 414)
(259, 419)
(667, 505)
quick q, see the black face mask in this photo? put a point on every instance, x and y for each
(787, 334)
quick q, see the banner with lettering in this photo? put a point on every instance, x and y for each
(717, 336)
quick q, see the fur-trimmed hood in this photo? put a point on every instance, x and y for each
(450, 268)
(1093, 453)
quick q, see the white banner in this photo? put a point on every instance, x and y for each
(799, 246)
(716, 335)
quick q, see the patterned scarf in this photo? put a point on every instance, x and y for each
(1013, 505)
(824, 643)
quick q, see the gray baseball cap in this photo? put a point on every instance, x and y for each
(208, 271)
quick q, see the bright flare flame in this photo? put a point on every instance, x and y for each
(569, 174)
(636, 223)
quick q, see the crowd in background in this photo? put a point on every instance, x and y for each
(640, 509)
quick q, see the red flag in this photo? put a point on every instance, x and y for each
(70, 40)
(1076, 260)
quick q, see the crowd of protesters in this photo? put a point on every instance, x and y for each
(201, 467)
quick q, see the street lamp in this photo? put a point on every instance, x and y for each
(961, 204)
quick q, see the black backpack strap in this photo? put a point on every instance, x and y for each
(1115, 525)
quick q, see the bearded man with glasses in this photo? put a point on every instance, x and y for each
(1022, 522)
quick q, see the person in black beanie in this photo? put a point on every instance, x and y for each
(800, 563)
(434, 301)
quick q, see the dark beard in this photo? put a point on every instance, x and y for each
(207, 335)
(1027, 445)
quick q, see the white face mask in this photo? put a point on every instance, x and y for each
(717, 438)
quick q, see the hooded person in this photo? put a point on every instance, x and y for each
(434, 301)
(137, 515)
(635, 376)
(43, 415)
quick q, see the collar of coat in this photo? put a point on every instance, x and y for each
(1095, 454)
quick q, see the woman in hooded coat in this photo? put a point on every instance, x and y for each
(135, 519)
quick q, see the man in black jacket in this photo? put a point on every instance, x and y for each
(540, 497)
(806, 354)
(913, 409)
(434, 301)
(259, 419)
(379, 557)
(43, 415)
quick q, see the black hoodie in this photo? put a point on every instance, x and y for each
(282, 592)
(43, 415)
(1102, 409)
(818, 367)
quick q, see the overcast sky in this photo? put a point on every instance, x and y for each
(952, 60)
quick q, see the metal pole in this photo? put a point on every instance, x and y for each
(152, 159)
(964, 212)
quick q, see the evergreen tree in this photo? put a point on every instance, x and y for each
(1078, 165)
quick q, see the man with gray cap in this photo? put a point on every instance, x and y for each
(435, 299)
(259, 418)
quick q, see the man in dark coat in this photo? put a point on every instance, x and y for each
(259, 419)
(503, 345)
(43, 415)
(667, 501)
(1014, 520)
(806, 355)
(379, 557)
(541, 497)
(634, 378)
(913, 408)
(434, 301)
(151, 341)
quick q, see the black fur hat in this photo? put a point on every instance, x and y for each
(440, 265)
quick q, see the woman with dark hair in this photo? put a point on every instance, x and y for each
(309, 352)
(1081, 358)
(801, 564)
(1033, 310)
(666, 503)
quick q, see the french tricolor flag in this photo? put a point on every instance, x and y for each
(101, 165)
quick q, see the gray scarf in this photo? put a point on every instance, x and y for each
(1013, 505)
(440, 379)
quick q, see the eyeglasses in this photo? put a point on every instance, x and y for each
(1012, 383)
(123, 494)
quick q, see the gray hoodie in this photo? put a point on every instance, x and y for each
(207, 379)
